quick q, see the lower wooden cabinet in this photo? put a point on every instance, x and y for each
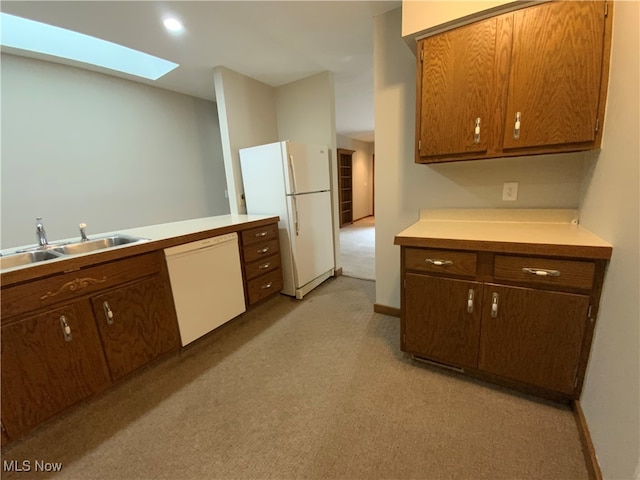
(49, 362)
(533, 336)
(438, 321)
(532, 329)
(261, 267)
(136, 324)
(65, 338)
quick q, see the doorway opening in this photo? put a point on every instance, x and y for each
(357, 216)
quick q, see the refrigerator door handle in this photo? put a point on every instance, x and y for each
(295, 212)
(293, 175)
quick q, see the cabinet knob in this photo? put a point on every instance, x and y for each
(470, 301)
(541, 272)
(66, 329)
(261, 234)
(494, 305)
(108, 313)
(266, 285)
(516, 126)
(263, 250)
(439, 263)
(264, 266)
(476, 132)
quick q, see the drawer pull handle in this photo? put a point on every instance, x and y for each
(266, 285)
(66, 329)
(516, 126)
(264, 265)
(439, 263)
(261, 234)
(476, 132)
(470, 301)
(494, 305)
(108, 313)
(263, 250)
(542, 272)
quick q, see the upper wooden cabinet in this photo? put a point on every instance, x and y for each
(529, 82)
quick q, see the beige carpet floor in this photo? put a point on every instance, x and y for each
(312, 389)
(357, 249)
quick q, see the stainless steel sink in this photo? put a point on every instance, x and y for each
(62, 250)
(96, 244)
(26, 258)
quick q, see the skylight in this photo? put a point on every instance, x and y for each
(23, 34)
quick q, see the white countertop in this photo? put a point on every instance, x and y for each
(150, 233)
(515, 226)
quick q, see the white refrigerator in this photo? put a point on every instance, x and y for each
(292, 180)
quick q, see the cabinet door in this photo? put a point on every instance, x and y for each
(439, 322)
(45, 371)
(535, 336)
(456, 88)
(137, 324)
(555, 74)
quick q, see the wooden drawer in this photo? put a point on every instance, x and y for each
(34, 295)
(262, 266)
(544, 271)
(449, 262)
(259, 234)
(265, 285)
(261, 250)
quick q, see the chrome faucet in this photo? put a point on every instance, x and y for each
(83, 234)
(41, 234)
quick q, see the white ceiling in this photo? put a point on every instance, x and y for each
(272, 42)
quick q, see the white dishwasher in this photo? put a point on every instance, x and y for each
(206, 281)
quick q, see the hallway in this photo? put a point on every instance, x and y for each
(357, 249)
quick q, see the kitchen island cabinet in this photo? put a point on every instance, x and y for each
(528, 82)
(73, 326)
(482, 298)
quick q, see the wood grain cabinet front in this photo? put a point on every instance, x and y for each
(70, 335)
(526, 322)
(261, 262)
(529, 82)
(50, 361)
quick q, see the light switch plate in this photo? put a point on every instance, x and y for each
(510, 191)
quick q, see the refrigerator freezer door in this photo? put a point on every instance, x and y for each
(306, 168)
(311, 236)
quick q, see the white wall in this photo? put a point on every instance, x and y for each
(80, 146)
(247, 113)
(402, 187)
(362, 173)
(611, 397)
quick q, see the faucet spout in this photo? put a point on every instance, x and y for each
(41, 234)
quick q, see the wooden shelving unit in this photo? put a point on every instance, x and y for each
(345, 180)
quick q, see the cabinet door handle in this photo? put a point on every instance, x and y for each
(261, 234)
(66, 329)
(108, 313)
(494, 305)
(439, 263)
(263, 250)
(476, 132)
(516, 126)
(542, 272)
(470, 301)
(264, 266)
(266, 285)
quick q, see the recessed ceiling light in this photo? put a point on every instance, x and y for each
(173, 25)
(23, 34)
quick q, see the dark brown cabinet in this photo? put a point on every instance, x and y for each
(136, 324)
(261, 262)
(525, 321)
(528, 82)
(58, 346)
(50, 361)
